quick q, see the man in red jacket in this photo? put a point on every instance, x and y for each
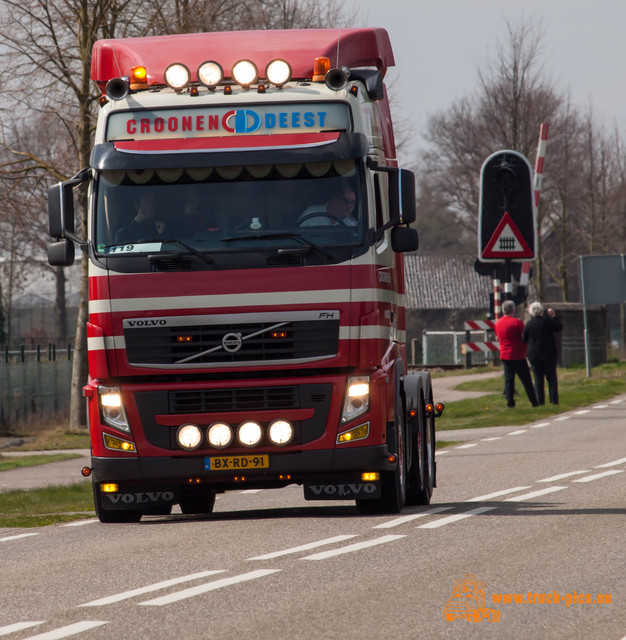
(509, 331)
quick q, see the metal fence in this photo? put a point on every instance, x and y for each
(444, 348)
(34, 391)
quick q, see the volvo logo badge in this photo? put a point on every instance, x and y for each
(232, 342)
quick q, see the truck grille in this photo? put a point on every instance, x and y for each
(178, 344)
(222, 400)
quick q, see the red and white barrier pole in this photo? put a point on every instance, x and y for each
(541, 156)
(497, 299)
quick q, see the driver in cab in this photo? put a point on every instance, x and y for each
(338, 210)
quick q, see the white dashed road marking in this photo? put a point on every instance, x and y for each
(611, 464)
(149, 589)
(304, 547)
(562, 476)
(69, 630)
(459, 516)
(209, 586)
(352, 547)
(402, 520)
(496, 494)
(597, 476)
(18, 626)
(21, 535)
(535, 494)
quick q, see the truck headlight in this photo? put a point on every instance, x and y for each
(189, 436)
(357, 398)
(112, 408)
(219, 435)
(281, 432)
(250, 434)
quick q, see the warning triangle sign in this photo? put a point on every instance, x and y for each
(507, 242)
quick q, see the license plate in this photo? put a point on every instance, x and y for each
(236, 463)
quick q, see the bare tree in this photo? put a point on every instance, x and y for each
(513, 99)
(46, 70)
(45, 59)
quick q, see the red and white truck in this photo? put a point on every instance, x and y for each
(246, 224)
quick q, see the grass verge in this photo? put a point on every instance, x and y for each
(53, 439)
(41, 507)
(576, 390)
(13, 462)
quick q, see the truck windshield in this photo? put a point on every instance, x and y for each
(218, 209)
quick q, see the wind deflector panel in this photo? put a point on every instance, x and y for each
(347, 146)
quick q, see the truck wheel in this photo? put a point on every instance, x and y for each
(430, 479)
(198, 503)
(393, 496)
(108, 516)
(422, 473)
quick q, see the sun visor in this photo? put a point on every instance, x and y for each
(321, 147)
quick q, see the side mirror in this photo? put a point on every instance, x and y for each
(55, 214)
(61, 220)
(61, 209)
(61, 254)
(402, 201)
(404, 239)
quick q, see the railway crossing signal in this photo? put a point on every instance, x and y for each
(507, 229)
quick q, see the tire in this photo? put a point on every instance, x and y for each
(198, 503)
(415, 474)
(393, 496)
(108, 516)
(422, 472)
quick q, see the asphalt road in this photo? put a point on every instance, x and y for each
(536, 511)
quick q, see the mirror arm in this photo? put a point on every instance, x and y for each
(79, 242)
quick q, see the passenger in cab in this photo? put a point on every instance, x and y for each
(145, 226)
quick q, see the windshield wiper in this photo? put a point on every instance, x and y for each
(180, 243)
(189, 249)
(281, 234)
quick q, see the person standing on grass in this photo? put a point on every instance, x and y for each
(509, 331)
(539, 334)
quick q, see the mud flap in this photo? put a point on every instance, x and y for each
(349, 490)
(137, 498)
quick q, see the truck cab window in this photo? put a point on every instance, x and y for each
(203, 207)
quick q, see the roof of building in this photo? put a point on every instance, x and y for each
(440, 282)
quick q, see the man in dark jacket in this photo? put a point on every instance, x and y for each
(539, 334)
(513, 354)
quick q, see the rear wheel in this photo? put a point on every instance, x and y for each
(415, 473)
(422, 473)
(108, 516)
(429, 441)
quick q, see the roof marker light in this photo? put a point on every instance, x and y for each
(177, 76)
(139, 75)
(321, 66)
(278, 72)
(210, 73)
(245, 73)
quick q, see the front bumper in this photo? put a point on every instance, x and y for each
(300, 466)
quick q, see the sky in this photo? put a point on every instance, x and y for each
(440, 44)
